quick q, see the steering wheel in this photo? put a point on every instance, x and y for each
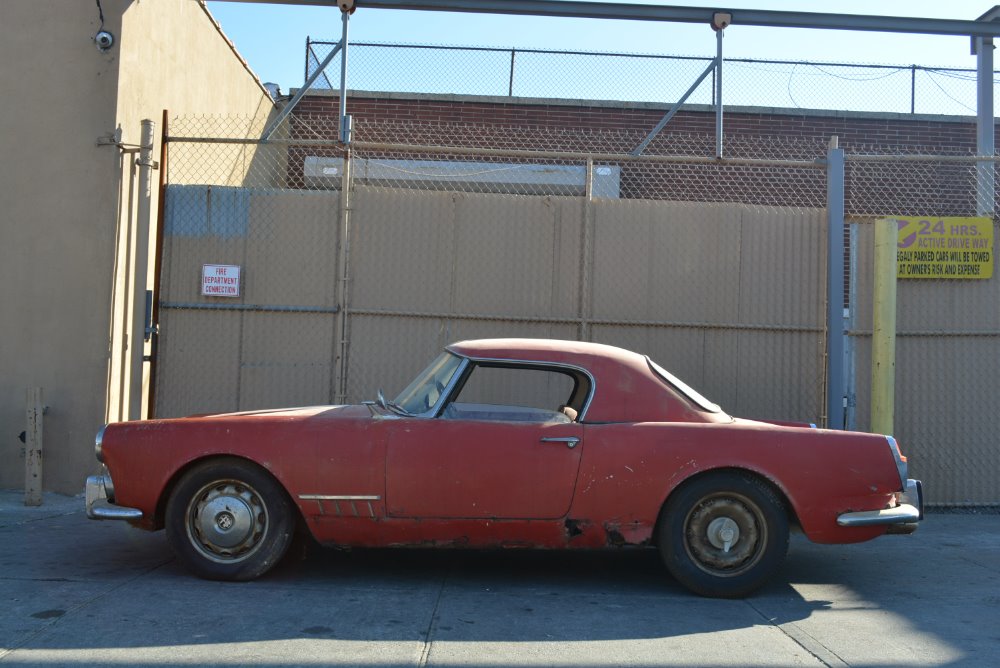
(439, 387)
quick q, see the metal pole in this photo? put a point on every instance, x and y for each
(342, 318)
(884, 325)
(984, 125)
(584, 306)
(718, 93)
(309, 52)
(137, 338)
(299, 95)
(673, 110)
(345, 124)
(656, 12)
(154, 332)
(510, 86)
(913, 89)
(834, 285)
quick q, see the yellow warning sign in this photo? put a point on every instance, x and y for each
(949, 247)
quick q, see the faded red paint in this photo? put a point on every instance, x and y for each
(486, 484)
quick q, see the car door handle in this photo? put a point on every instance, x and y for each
(570, 441)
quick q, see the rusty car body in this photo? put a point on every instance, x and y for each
(507, 443)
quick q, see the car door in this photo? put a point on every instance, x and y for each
(502, 448)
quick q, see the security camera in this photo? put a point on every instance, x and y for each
(346, 5)
(104, 40)
(721, 20)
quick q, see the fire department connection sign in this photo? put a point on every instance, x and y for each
(944, 248)
(220, 280)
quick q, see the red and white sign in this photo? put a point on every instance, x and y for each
(220, 280)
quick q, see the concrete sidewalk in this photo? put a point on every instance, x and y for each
(76, 592)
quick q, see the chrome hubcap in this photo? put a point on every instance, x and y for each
(226, 520)
(725, 534)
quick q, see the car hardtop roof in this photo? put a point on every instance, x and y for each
(543, 350)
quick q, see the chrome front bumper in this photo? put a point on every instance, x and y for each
(100, 501)
(909, 510)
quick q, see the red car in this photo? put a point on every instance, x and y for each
(507, 443)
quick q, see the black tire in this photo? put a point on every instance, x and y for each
(228, 519)
(704, 515)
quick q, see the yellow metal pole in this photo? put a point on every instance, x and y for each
(884, 328)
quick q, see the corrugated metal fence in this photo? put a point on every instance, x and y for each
(717, 270)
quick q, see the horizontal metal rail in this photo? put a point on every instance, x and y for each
(580, 156)
(590, 321)
(584, 156)
(649, 12)
(861, 333)
(861, 157)
(266, 308)
(652, 56)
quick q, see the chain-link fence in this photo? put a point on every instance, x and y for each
(947, 360)
(356, 267)
(451, 233)
(535, 73)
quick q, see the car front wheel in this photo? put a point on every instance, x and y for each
(724, 534)
(227, 519)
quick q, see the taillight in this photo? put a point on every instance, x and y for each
(900, 460)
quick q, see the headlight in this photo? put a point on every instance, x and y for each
(97, 444)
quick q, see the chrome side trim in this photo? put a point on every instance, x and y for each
(337, 498)
(99, 491)
(532, 363)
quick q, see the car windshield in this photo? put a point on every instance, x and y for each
(426, 389)
(684, 388)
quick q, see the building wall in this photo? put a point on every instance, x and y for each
(58, 200)
(67, 223)
(855, 129)
(173, 57)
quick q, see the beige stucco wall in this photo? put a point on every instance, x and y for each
(58, 199)
(63, 253)
(173, 57)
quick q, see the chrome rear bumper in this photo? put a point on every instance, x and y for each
(100, 496)
(908, 511)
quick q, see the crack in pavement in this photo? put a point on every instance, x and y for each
(817, 649)
(425, 651)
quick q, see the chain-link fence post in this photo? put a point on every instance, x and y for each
(834, 286)
(342, 325)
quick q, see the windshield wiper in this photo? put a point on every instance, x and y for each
(396, 408)
(388, 404)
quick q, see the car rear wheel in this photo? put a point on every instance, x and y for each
(227, 519)
(723, 535)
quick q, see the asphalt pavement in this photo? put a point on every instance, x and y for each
(76, 592)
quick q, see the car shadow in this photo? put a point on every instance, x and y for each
(130, 595)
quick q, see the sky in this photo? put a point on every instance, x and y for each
(271, 37)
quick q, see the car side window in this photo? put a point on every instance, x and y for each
(514, 394)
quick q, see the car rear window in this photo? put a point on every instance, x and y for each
(682, 387)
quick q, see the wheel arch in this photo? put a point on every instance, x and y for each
(178, 475)
(778, 490)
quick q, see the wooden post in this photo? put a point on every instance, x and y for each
(884, 335)
(33, 449)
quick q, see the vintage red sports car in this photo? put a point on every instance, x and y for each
(507, 443)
